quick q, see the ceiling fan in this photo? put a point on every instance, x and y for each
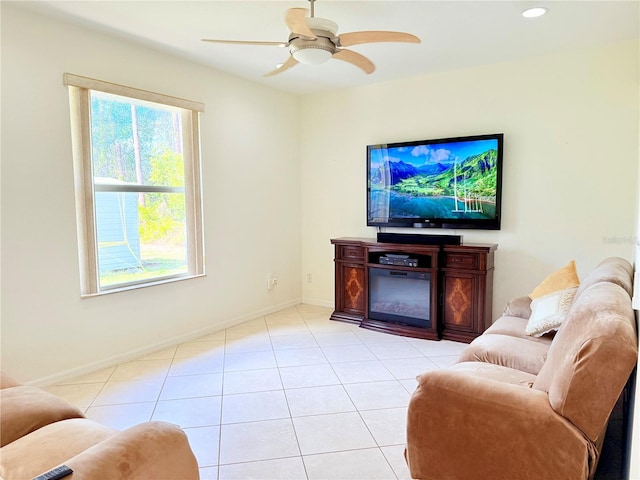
(314, 40)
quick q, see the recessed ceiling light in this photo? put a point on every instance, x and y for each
(534, 12)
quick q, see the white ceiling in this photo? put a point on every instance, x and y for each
(454, 34)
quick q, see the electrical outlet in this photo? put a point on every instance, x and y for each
(309, 278)
(272, 281)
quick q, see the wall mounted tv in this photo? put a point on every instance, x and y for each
(444, 183)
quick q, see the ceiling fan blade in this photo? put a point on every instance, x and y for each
(357, 38)
(291, 62)
(296, 20)
(244, 42)
(356, 59)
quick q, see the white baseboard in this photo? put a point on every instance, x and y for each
(140, 352)
(318, 303)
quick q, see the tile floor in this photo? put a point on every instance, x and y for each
(291, 395)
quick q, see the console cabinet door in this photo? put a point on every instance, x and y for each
(352, 298)
(459, 305)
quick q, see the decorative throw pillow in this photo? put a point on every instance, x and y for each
(566, 277)
(548, 311)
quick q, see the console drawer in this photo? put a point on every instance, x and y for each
(466, 261)
(349, 252)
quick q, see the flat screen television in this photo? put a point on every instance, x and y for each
(444, 183)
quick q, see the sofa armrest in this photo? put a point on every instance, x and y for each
(150, 451)
(460, 426)
(518, 307)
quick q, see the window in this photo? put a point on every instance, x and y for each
(137, 175)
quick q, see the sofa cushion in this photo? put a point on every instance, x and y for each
(7, 381)
(565, 277)
(50, 446)
(548, 311)
(515, 327)
(614, 270)
(591, 357)
(518, 307)
(25, 409)
(496, 372)
(513, 352)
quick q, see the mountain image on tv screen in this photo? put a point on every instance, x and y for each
(448, 181)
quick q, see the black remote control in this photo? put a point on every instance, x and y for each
(55, 474)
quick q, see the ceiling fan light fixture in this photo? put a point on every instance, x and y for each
(534, 12)
(312, 55)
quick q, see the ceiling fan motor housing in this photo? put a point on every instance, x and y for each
(317, 50)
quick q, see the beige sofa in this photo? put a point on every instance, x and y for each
(39, 431)
(519, 407)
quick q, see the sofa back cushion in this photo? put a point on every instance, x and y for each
(591, 357)
(24, 409)
(614, 270)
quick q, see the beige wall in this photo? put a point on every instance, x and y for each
(251, 204)
(570, 159)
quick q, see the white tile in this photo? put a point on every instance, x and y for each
(252, 441)
(246, 381)
(445, 361)
(438, 348)
(283, 316)
(354, 372)
(388, 426)
(208, 473)
(388, 350)
(205, 443)
(252, 407)
(318, 400)
(348, 353)
(242, 345)
(249, 361)
(303, 340)
(408, 368)
(307, 309)
(371, 337)
(190, 386)
(281, 469)
(374, 395)
(395, 456)
(211, 363)
(137, 369)
(195, 349)
(295, 357)
(327, 433)
(130, 391)
(121, 417)
(308, 376)
(410, 384)
(318, 326)
(365, 464)
(190, 412)
(278, 330)
(337, 338)
(81, 395)
(247, 330)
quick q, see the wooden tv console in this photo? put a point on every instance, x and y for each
(461, 286)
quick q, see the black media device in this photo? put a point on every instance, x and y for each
(417, 239)
(453, 183)
(55, 474)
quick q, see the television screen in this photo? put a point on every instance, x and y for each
(443, 183)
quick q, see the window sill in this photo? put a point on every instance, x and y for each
(128, 288)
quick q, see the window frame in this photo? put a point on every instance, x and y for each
(80, 109)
